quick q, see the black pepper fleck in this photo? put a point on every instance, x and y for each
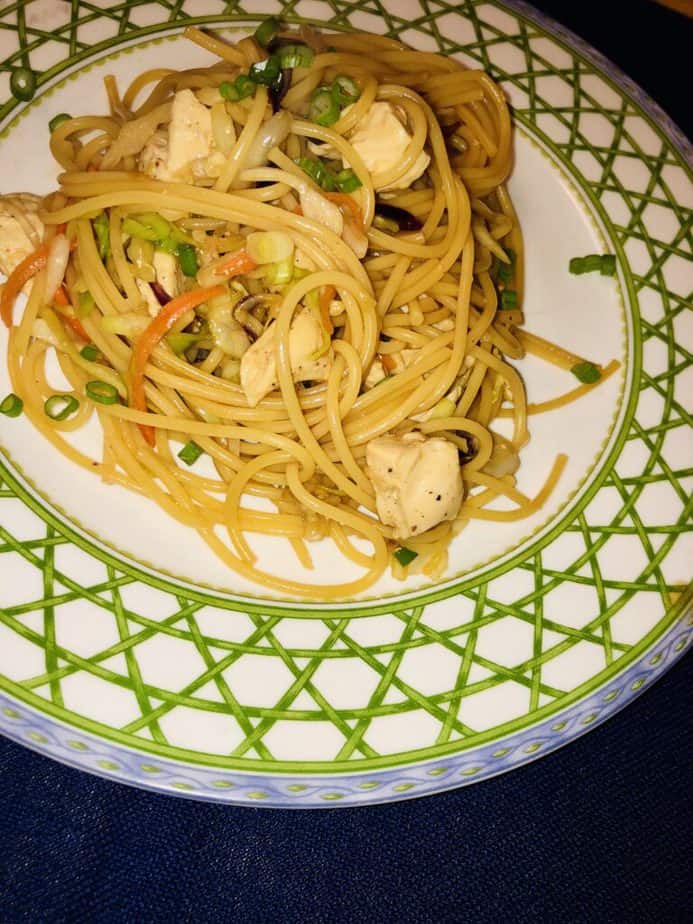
(438, 497)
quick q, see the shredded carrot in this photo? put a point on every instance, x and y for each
(326, 295)
(62, 301)
(18, 278)
(236, 264)
(147, 342)
(388, 362)
(298, 210)
(345, 201)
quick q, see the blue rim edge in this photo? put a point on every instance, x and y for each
(54, 739)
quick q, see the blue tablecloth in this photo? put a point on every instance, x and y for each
(598, 832)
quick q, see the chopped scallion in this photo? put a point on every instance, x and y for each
(136, 229)
(187, 257)
(167, 244)
(11, 405)
(102, 392)
(345, 90)
(85, 305)
(318, 172)
(103, 235)
(296, 56)
(265, 72)
(190, 453)
(508, 299)
(604, 263)
(405, 556)
(58, 120)
(89, 352)
(586, 372)
(267, 30)
(241, 88)
(324, 108)
(278, 274)
(347, 181)
(60, 407)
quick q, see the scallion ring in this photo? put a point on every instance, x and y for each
(60, 407)
(101, 392)
(266, 31)
(190, 453)
(11, 405)
(345, 90)
(296, 56)
(58, 120)
(324, 108)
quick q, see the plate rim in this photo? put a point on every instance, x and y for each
(658, 119)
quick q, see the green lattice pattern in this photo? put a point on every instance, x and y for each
(633, 174)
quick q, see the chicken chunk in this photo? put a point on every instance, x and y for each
(167, 273)
(306, 340)
(417, 481)
(380, 139)
(189, 140)
(21, 229)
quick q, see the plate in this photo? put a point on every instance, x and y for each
(133, 654)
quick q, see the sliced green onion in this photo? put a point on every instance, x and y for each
(103, 235)
(345, 90)
(508, 299)
(296, 56)
(136, 229)
(278, 274)
(102, 392)
(608, 267)
(266, 31)
(158, 224)
(89, 352)
(241, 88)
(318, 172)
(85, 304)
(586, 372)
(347, 181)
(405, 556)
(190, 453)
(58, 120)
(23, 83)
(11, 405)
(244, 86)
(187, 257)
(592, 263)
(504, 271)
(180, 341)
(324, 108)
(168, 245)
(265, 72)
(60, 407)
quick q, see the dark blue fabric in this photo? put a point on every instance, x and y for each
(598, 832)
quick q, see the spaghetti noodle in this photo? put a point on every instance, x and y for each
(302, 262)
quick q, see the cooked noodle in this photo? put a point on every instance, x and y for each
(423, 303)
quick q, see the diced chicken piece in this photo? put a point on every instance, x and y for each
(320, 209)
(306, 339)
(380, 140)
(21, 229)
(417, 481)
(150, 300)
(167, 273)
(153, 159)
(376, 374)
(189, 140)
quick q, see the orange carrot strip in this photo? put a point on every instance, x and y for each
(326, 295)
(237, 263)
(60, 297)
(18, 278)
(147, 342)
(345, 201)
